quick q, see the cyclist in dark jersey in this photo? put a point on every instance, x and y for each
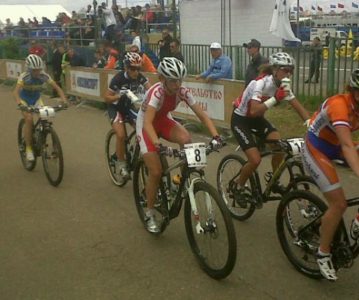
(119, 103)
(27, 92)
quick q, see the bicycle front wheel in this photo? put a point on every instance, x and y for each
(210, 231)
(28, 165)
(111, 158)
(298, 220)
(227, 172)
(52, 157)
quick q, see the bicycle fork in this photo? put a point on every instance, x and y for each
(199, 228)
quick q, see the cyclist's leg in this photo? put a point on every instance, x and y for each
(28, 126)
(241, 128)
(175, 132)
(119, 128)
(319, 166)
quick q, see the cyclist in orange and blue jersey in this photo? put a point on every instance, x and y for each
(329, 138)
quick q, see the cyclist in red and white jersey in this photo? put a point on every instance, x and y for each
(248, 116)
(329, 138)
(154, 121)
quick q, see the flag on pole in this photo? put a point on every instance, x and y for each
(319, 8)
(340, 5)
(280, 25)
(355, 5)
(313, 7)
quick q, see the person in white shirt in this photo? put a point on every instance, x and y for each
(110, 22)
(136, 39)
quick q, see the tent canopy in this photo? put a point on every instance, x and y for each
(15, 12)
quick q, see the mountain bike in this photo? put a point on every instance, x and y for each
(209, 227)
(45, 143)
(132, 149)
(298, 221)
(242, 208)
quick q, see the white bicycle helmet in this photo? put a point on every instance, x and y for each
(354, 79)
(281, 59)
(132, 59)
(34, 61)
(173, 68)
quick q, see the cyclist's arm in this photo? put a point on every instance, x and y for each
(349, 150)
(111, 96)
(257, 108)
(148, 124)
(59, 91)
(300, 109)
(204, 119)
(16, 92)
(147, 85)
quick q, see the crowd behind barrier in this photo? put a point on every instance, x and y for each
(88, 83)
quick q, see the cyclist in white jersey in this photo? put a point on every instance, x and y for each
(248, 116)
(154, 121)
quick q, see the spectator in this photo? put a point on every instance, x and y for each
(37, 49)
(327, 39)
(175, 50)
(120, 20)
(30, 23)
(8, 26)
(112, 56)
(21, 23)
(315, 60)
(58, 51)
(164, 44)
(136, 39)
(256, 60)
(74, 59)
(100, 60)
(45, 22)
(110, 22)
(148, 17)
(89, 32)
(89, 12)
(147, 65)
(36, 22)
(221, 66)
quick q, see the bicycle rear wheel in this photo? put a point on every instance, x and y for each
(28, 165)
(140, 175)
(298, 220)
(52, 157)
(227, 172)
(211, 232)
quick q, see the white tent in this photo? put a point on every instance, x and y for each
(15, 12)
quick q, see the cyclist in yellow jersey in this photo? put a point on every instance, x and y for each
(28, 92)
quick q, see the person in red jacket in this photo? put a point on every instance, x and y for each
(147, 65)
(112, 56)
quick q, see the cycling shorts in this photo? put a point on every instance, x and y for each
(37, 103)
(163, 127)
(317, 155)
(243, 129)
(120, 114)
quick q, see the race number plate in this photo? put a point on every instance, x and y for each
(196, 154)
(46, 112)
(296, 145)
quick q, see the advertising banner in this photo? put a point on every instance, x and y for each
(85, 82)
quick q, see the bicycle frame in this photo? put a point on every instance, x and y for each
(40, 125)
(131, 159)
(287, 163)
(174, 208)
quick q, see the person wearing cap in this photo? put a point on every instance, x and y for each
(256, 60)
(221, 66)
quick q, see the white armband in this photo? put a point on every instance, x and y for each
(270, 102)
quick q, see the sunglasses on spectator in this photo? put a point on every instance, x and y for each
(133, 69)
(287, 69)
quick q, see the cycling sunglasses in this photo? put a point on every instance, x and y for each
(287, 69)
(133, 69)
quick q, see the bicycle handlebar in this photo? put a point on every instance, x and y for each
(180, 153)
(33, 109)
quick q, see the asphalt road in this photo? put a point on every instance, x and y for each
(83, 239)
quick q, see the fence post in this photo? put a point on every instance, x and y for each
(331, 68)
